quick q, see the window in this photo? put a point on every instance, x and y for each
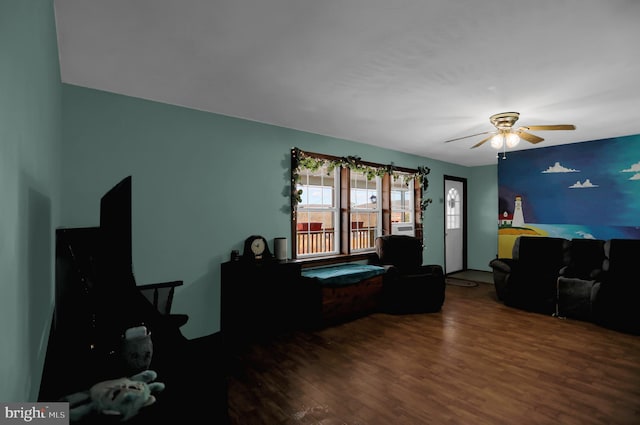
(401, 201)
(453, 209)
(341, 205)
(364, 211)
(402, 205)
(317, 212)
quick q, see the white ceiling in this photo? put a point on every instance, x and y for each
(401, 74)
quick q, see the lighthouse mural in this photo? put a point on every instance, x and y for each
(518, 216)
(512, 219)
(587, 190)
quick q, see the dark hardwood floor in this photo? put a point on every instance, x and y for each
(475, 362)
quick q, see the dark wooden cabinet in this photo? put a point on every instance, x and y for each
(259, 300)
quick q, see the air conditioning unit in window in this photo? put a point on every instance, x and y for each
(403, 229)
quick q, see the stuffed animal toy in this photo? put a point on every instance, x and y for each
(136, 350)
(123, 397)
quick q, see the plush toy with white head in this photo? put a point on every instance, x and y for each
(123, 397)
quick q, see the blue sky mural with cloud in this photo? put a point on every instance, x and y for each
(594, 184)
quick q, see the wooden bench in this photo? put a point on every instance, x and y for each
(344, 291)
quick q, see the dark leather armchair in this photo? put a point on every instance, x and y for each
(577, 281)
(617, 302)
(409, 286)
(528, 280)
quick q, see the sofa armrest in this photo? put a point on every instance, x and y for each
(505, 265)
(573, 272)
(389, 268)
(432, 269)
(596, 274)
(502, 269)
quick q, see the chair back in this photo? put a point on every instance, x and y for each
(402, 251)
(541, 253)
(622, 257)
(160, 294)
(586, 257)
(616, 303)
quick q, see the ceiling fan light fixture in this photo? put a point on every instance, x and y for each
(512, 140)
(505, 138)
(497, 141)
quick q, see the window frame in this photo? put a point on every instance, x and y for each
(345, 252)
(354, 211)
(335, 213)
(410, 211)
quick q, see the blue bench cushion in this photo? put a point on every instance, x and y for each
(343, 274)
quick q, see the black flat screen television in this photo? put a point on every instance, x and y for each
(116, 234)
(96, 298)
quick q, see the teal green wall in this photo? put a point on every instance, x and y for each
(482, 212)
(204, 182)
(30, 138)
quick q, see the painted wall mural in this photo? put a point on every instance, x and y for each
(581, 190)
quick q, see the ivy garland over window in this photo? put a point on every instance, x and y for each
(302, 161)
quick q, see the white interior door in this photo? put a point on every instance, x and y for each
(454, 225)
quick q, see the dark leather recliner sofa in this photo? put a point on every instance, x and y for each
(578, 281)
(617, 302)
(409, 286)
(528, 279)
(585, 279)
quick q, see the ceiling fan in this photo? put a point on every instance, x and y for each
(506, 135)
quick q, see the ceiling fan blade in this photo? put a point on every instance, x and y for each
(481, 142)
(466, 137)
(531, 138)
(549, 127)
